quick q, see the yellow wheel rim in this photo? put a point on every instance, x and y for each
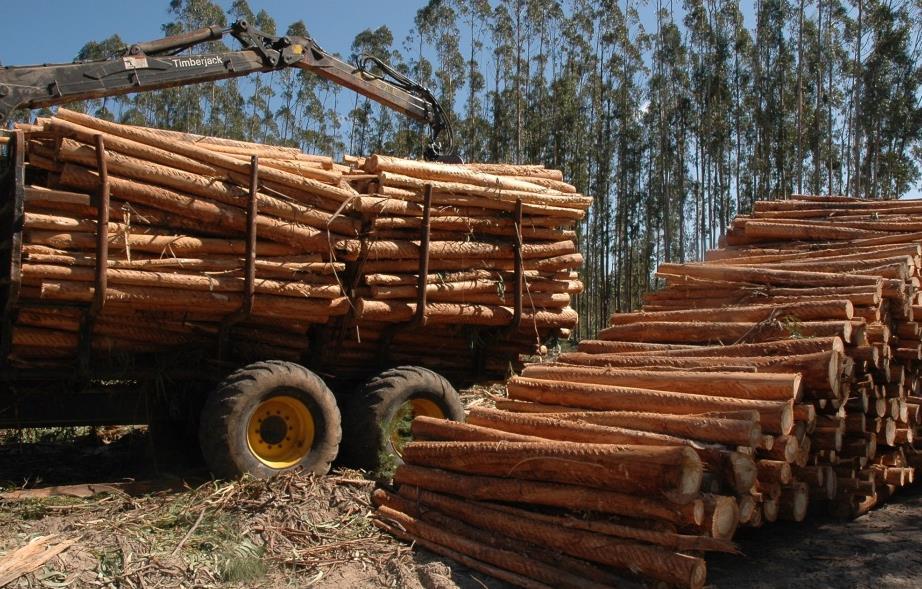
(280, 432)
(400, 425)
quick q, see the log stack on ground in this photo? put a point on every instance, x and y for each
(285, 255)
(787, 364)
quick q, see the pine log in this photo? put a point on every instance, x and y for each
(449, 173)
(666, 539)
(803, 232)
(734, 432)
(721, 515)
(548, 562)
(568, 496)
(612, 347)
(141, 135)
(532, 171)
(784, 448)
(740, 385)
(764, 275)
(741, 468)
(775, 415)
(530, 407)
(431, 429)
(806, 311)
(792, 505)
(821, 371)
(225, 189)
(473, 286)
(780, 348)
(399, 530)
(751, 294)
(758, 257)
(565, 262)
(707, 332)
(195, 282)
(461, 314)
(157, 298)
(167, 245)
(774, 471)
(552, 428)
(289, 223)
(660, 564)
(629, 469)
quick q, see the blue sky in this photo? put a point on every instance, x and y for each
(48, 31)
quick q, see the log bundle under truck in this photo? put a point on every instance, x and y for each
(226, 289)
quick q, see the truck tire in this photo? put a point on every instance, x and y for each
(267, 418)
(381, 412)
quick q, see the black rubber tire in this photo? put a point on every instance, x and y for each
(376, 405)
(223, 430)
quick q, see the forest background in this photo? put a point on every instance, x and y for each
(674, 115)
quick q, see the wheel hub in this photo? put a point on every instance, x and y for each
(273, 429)
(280, 431)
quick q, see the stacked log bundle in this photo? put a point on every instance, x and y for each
(787, 363)
(338, 253)
(500, 270)
(176, 240)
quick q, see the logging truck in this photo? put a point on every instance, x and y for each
(265, 416)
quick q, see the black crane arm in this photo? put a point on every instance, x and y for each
(159, 64)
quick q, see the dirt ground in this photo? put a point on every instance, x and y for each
(168, 525)
(881, 550)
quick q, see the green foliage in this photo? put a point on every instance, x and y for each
(241, 562)
(397, 429)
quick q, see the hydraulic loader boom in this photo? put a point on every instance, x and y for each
(159, 64)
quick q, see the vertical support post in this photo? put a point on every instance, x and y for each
(519, 266)
(102, 227)
(100, 283)
(422, 278)
(419, 317)
(249, 276)
(249, 261)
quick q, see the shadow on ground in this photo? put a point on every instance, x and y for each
(880, 550)
(89, 456)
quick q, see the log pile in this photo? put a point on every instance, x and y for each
(285, 255)
(786, 365)
(176, 236)
(495, 233)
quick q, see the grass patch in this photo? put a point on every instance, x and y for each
(44, 435)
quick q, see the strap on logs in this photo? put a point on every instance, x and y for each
(249, 262)
(100, 282)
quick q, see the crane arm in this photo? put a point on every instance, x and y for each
(159, 64)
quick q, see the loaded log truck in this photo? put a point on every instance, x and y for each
(264, 417)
